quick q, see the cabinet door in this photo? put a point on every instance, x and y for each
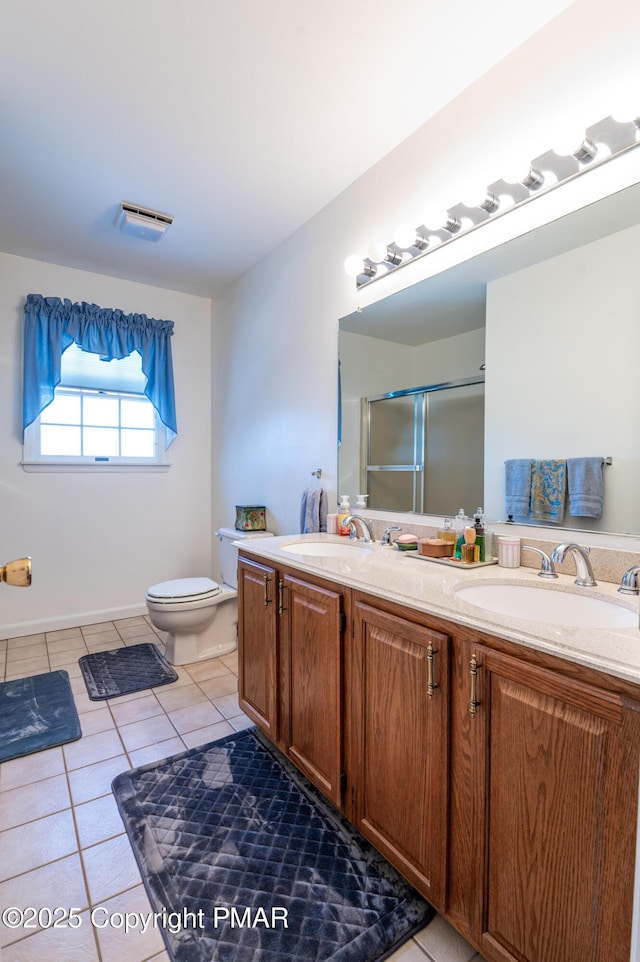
(402, 730)
(312, 629)
(258, 644)
(559, 781)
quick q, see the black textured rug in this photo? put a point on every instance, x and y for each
(246, 862)
(37, 713)
(108, 674)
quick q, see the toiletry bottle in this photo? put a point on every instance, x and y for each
(459, 524)
(344, 510)
(469, 549)
(478, 524)
(446, 532)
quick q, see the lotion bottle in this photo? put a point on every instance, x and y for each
(344, 511)
(459, 524)
(478, 524)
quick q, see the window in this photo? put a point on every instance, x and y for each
(99, 416)
(97, 387)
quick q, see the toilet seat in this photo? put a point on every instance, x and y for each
(183, 590)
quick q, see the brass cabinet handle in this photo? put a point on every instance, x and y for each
(281, 587)
(431, 685)
(267, 599)
(473, 670)
(17, 573)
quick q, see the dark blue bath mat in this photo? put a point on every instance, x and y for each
(108, 674)
(256, 865)
(36, 713)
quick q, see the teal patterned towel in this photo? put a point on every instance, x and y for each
(548, 490)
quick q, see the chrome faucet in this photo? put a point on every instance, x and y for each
(547, 569)
(580, 554)
(386, 537)
(351, 520)
(629, 584)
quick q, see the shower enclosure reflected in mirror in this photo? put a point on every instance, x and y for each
(424, 447)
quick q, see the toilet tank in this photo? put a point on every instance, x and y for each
(229, 554)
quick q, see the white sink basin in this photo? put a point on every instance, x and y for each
(327, 549)
(566, 608)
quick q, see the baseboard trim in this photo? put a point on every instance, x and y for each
(75, 620)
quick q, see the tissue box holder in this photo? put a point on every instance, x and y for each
(251, 517)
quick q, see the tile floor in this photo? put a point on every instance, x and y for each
(62, 841)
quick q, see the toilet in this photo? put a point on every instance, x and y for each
(199, 615)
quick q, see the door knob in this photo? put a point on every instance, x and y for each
(17, 572)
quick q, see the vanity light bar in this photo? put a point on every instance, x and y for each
(601, 142)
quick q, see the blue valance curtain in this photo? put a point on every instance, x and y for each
(51, 325)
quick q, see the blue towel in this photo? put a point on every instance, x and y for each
(517, 486)
(313, 511)
(585, 479)
(548, 490)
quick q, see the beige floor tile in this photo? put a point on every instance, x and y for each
(31, 768)
(231, 661)
(136, 710)
(157, 751)
(227, 705)
(98, 820)
(121, 699)
(25, 640)
(73, 671)
(106, 644)
(36, 843)
(134, 946)
(409, 952)
(176, 698)
(93, 722)
(148, 638)
(73, 643)
(38, 650)
(183, 679)
(241, 722)
(217, 687)
(59, 883)
(24, 667)
(130, 622)
(91, 749)
(133, 631)
(146, 732)
(209, 734)
(195, 716)
(202, 670)
(63, 634)
(61, 659)
(62, 944)
(87, 630)
(95, 780)
(110, 868)
(29, 802)
(443, 944)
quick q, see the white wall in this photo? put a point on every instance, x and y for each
(99, 540)
(563, 344)
(275, 393)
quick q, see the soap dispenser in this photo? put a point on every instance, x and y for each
(344, 510)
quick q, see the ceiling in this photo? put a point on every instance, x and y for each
(242, 119)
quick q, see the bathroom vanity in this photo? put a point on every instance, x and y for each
(493, 761)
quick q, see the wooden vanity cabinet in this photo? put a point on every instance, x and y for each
(290, 635)
(555, 776)
(399, 750)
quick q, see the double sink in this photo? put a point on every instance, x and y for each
(559, 605)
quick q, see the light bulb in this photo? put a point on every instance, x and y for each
(378, 251)
(354, 265)
(627, 108)
(407, 236)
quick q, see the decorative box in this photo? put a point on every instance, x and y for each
(435, 548)
(251, 517)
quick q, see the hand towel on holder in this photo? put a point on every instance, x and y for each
(517, 487)
(313, 511)
(548, 490)
(585, 480)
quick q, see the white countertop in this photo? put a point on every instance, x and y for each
(429, 587)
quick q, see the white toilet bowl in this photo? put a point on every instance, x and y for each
(199, 615)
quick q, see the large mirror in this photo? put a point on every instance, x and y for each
(555, 317)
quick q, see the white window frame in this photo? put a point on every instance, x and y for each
(34, 460)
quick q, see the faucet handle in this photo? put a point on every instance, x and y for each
(386, 537)
(547, 569)
(629, 584)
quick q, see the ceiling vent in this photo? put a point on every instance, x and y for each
(142, 222)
